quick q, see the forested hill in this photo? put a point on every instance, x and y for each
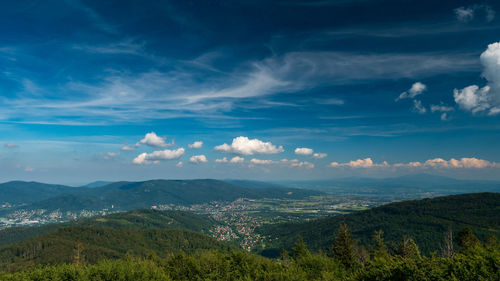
(89, 244)
(137, 195)
(139, 219)
(22, 192)
(425, 221)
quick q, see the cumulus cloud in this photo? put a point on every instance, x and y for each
(111, 155)
(245, 146)
(262, 162)
(127, 148)
(478, 99)
(297, 163)
(360, 163)
(151, 139)
(155, 156)
(198, 159)
(223, 160)
(319, 155)
(179, 164)
(303, 151)
(441, 108)
(237, 159)
(473, 98)
(418, 107)
(415, 90)
(10, 145)
(466, 163)
(196, 144)
(466, 14)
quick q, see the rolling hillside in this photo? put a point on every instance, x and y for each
(138, 219)
(21, 192)
(89, 244)
(425, 221)
(136, 195)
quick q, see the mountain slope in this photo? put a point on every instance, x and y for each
(21, 192)
(92, 243)
(139, 219)
(425, 221)
(96, 184)
(137, 195)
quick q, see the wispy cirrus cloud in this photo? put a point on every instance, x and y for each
(122, 96)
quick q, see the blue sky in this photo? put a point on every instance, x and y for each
(115, 90)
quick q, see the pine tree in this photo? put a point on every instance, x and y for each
(300, 249)
(344, 248)
(466, 239)
(407, 248)
(379, 248)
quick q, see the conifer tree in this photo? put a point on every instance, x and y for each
(466, 239)
(344, 248)
(379, 248)
(300, 249)
(407, 248)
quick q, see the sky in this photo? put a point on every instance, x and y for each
(264, 90)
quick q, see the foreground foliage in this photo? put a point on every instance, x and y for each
(346, 261)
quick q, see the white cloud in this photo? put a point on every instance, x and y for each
(155, 156)
(179, 164)
(466, 14)
(196, 144)
(494, 110)
(297, 163)
(223, 160)
(10, 145)
(29, 169)
(124, 97)
(319, 155)
(111, 155)
(198, 159)
(472, 98)
(438, 163)
(418, 107)
(441, 108)
(415, 90)
(244, 146)
(127, 148)
(303, 151)
(237, 159)
(360, 163)
(465, 163)
(475, 99)
(151, 139)
(262, 162)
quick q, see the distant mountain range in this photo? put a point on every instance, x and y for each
(136, 195)
(426, 221)
(397, 186)
(96, 184)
